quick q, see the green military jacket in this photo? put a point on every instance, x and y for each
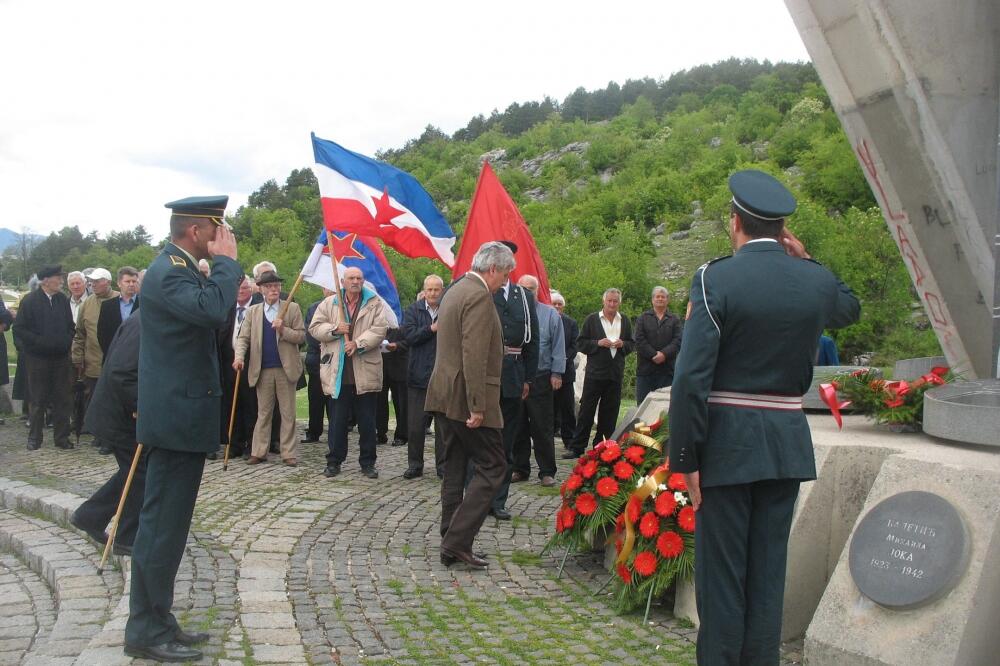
(756, 318)
(179, 381)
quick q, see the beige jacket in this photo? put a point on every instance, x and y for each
(250, 339)
(86, 348)
(369, 331)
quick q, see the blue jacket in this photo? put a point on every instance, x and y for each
(422, 342)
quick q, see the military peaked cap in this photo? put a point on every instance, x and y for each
(212, 208)
(761, 195)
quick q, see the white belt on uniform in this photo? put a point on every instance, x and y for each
(755, 400)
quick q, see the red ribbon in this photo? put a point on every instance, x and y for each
(828, 394)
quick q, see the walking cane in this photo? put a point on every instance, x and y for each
(121, 506)
(232, 419)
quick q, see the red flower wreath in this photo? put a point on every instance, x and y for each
(589, 469)
(676, 482)
(633, 509)
(568, 517)
(665, 504)
(645, 563)
(649, 526)
(611, 452)
(670, 544)
(586, 504)
(574, 482)
(635, 454)
(685, 518)
(607, 487)
(624, 574)
(623, 470)
(620, 523)
(559, 521)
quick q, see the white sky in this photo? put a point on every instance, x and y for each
(109, 109)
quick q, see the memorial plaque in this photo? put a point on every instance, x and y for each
(909, 550)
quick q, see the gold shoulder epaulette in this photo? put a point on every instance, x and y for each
(177, 261)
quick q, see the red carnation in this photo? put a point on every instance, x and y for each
(569, 517)
(591, 455)
(676, 482)
(670, 544)
(649, 526)
(665, 504)
(623, 470)
(586, 504)
(589, 469)
(686, 519)
(624, 574)
(645, 563)
(633, 510)
(635, 454)
(611, 452)
(607, 487)
(574, 482)
(620, 523)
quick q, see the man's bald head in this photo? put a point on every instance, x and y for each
(529, 282)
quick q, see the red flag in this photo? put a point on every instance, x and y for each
(494, 217)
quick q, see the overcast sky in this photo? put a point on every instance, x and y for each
(110, 109)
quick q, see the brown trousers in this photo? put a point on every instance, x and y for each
(273, 387)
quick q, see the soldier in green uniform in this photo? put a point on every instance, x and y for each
(178, 412)
(737, 430)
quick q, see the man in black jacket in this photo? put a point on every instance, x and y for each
(606, 339)
(116, 310)
(420, 331)
(564, 409)
(44, 332)
(395, 361)
(657, 341)
(246, 403)
(111, 417)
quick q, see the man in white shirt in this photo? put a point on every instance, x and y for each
(77, 285)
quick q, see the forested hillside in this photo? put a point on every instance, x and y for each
(606, 179)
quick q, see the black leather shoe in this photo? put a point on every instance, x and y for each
(172, 652)
(399, 442)
(500, 514)
(412, 473)
(571, 455)
(370, 472)
(383, 439)
(97, 535)
(34, 446)
(308, 439)
(123, 550)
(194, 638)
(208, 456)
(65, 445)
(331, 471)
(449, 558)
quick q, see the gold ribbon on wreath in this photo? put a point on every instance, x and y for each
(649, 486)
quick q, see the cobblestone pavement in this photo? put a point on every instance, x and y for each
(286, 566)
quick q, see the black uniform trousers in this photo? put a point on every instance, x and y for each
(172, 481)
(564, 413)
(741, 545)
(607, 392)
(399, 400)
(511, 410)
(463, 509)
(416, 432)
(318, 403)
(536, 429)
(49, 381)
(97, 511)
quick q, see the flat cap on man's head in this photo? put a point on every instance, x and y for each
(761, 195)
(268, 277)
(212, 208)
(48, 271)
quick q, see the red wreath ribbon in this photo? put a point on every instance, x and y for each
(828, 394)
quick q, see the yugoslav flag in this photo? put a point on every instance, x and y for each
(362, 196)
(359, 252)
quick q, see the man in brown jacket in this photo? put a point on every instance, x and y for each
(465, 390)
(351, 366)
(274, 366)
(86, 352)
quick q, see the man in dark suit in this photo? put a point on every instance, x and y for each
(737, 430)
(420, 328)
(116, 310)
(519, 322)
(606, 339)
(395, 359)
(319, 405)
(564, 408)
(464, 389)
(246, 401)
(178, 415)
(111, 416)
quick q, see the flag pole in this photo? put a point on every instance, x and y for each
(336, 277)
(291, 295)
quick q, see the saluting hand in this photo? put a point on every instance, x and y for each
(224, 244)
(793, 246)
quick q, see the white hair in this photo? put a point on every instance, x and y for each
(660, 290)
(613, 290)
(493, 254)
(74, 274)
(263, 266)
(556, 296)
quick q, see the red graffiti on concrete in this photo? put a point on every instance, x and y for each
(865, 155)
(910, 254)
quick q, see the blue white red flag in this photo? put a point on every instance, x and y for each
(359, 252)
(370, 198)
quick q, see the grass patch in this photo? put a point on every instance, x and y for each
(525, 558)
(406, 550)
(395, 585)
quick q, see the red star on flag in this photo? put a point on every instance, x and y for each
(343, 248)
(384, 212)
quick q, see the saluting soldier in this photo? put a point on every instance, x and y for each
(519, 323)
(178, 412)
(737, 430)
